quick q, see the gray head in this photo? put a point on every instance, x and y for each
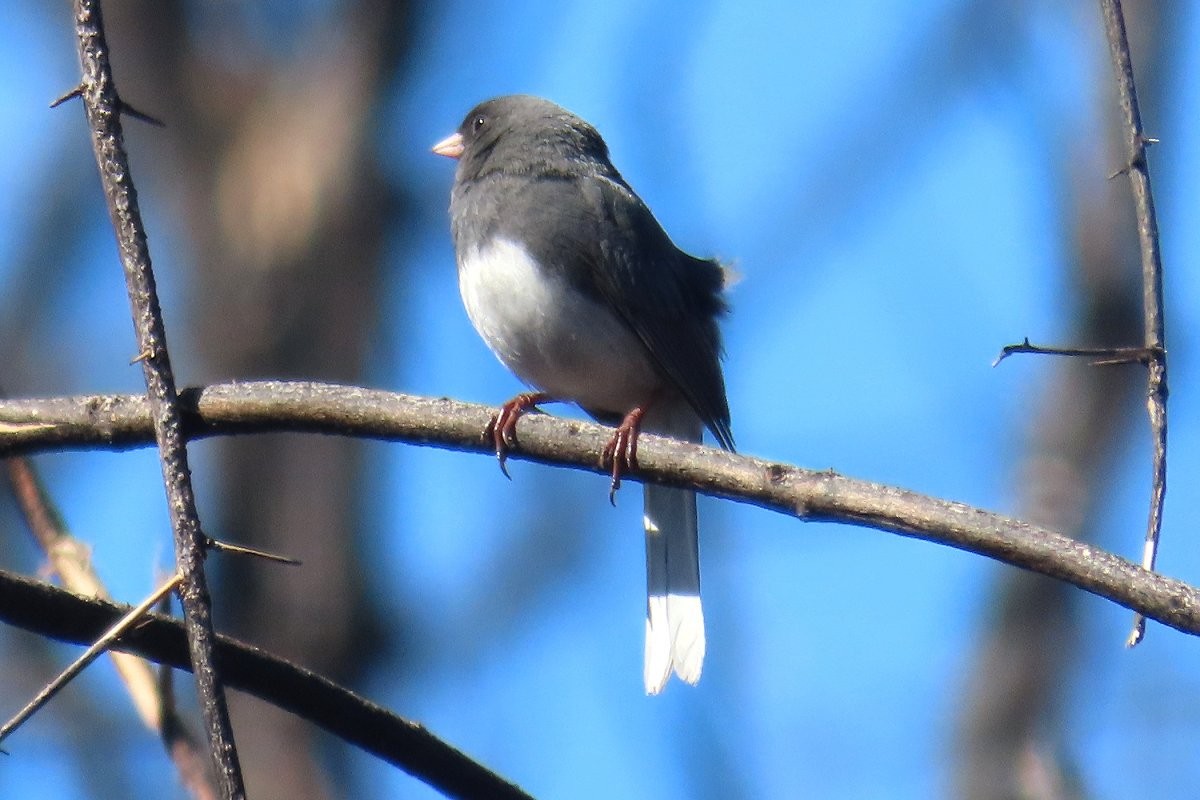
(523, 134)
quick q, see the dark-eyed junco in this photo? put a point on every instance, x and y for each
(577, 289)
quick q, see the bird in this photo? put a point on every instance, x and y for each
(576, 288)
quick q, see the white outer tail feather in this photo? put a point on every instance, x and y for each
(658, 645)
(674, 618)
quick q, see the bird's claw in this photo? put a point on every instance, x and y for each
(620, 454)
(493, 433)
(502, 427)
(501, 459)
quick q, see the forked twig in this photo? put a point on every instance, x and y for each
(1153, 351)
(88, 656)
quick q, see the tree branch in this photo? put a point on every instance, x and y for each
(71, 561)
(122, 421)
(104, 108)
(95, 649)
(50, 611)
(1101, 356)
(1136, 167)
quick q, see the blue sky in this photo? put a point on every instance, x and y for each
(888, 182)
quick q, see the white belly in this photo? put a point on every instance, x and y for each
(551, 336)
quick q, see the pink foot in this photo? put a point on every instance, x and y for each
(502, 428)
(621, 451)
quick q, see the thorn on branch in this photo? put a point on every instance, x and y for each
(129, 110)
(238, 549)
(1138, 160)
(1137, 163)
(71, 95)
(122, 107)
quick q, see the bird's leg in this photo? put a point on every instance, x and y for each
(502, 428)
(620, 453)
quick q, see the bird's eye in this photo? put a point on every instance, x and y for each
(478, 123)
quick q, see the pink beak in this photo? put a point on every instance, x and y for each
(450, 147)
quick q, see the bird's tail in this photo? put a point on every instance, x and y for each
(674, 619)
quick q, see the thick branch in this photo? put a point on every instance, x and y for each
(104, 108)
(50, 611)
(28, 426)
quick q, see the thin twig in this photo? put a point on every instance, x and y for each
(123, 421)
(71, 560)
(1102, 356)
(47, 610)
(1136, 167)
(104, 108)
(88, 656)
